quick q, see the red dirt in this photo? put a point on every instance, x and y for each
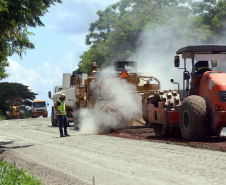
(212, 143)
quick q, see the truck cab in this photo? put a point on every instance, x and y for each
(39, 108)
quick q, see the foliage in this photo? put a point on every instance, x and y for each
(2, 117)
(14, 90)
(11, 175)
(211, 13)
(28, 112)
(15, 18)
(116, 34)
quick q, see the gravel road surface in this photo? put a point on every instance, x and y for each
(34, 145)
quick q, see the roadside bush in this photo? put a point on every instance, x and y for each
(9, 174)
(2, 117)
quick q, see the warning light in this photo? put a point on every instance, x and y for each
(124, 74)
(148, 85)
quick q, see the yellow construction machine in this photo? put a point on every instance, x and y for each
(100, 89)
(15, 109)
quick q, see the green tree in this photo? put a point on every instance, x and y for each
(14, 90)
(15, 18)
(211, 13)
(115, 35)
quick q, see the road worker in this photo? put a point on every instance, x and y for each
(61, 113)
(201, 67)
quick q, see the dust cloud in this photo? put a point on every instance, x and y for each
(155, 57)
(115, 107)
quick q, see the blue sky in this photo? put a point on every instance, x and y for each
(58, 46)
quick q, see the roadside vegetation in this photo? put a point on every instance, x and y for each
(9, 174)
(122, 28)
(16, 90)
(2, 117)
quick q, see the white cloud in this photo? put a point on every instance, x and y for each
(42, 79)
(75, 16)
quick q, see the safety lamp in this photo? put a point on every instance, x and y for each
(217, 108)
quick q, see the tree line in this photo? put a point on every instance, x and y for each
(15, 90)
(115, 35)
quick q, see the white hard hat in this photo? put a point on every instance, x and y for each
(62, 95)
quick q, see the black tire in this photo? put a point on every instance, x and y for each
(158, 129)
(7, 115)
(192, 115)
(76, 120)
(106, 108)
(22, 114)
(109, 109)
(148, 124)
(145, 112)
(54, 121)
(217, 132)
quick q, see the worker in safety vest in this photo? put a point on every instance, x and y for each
(61, 113)
(201, 67)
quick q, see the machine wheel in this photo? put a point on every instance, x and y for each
(158, 129)
(76, 120)
(192, 115)
(54, 121)
(148, 124)
(217, 132)
(109, 109)
(22, 114)
(171, 100)
(7, 115)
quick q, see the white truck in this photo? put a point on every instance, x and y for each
(39, 108)
(69, 88)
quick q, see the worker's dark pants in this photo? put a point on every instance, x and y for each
(63, 123)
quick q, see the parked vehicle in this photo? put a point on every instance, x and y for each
(15, 109)
(39, 108)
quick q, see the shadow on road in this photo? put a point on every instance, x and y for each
(3, 145)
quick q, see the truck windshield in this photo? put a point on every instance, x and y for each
(39, 104)
(125, 65)
(15, 102)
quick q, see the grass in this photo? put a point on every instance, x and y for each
(10, 175)
(2, 117)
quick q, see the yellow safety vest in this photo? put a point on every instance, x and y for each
(61, 108)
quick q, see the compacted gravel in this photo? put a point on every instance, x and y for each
(34, 145)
